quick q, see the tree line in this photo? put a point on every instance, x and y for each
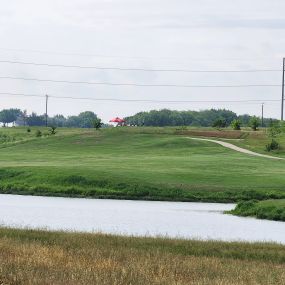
(219, 118)
(17, 117)
(206, 118)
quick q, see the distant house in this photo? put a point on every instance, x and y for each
(118, 121)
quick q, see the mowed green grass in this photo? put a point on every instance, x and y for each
(38, 257)
(134, 163)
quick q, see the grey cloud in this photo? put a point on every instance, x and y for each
(185, 34)
(222, 23)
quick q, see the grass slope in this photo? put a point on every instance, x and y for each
(246, 138)
(133, 163)
(38, 257)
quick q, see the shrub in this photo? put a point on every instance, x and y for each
(254, 123)
(274, 130)
(28, 130)
(236, 124)
(52, 130)
(97, 124)
(4, 138)
(220, 123)
(182, 128)
(245, 208)
(273, 145)
(38, 133)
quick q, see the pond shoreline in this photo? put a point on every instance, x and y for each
(205, 221)
(266, 213)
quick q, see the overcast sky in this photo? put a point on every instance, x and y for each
(152, 34)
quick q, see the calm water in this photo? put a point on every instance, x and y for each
(186, 220)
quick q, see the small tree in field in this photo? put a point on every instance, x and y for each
(254, 123)
(236, 125)
(52, 130)
(273, 132)
(98, 124)
(38, 133)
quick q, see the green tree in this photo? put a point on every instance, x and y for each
(86, 119)
(165, 117)
(98, 124)
(244, 119)
(9, 116)
(219, 123)
(236, 124)
(254, 123)
(57, 120)
(83, 120)
(35, 120)
(274, 130)
(52, 130)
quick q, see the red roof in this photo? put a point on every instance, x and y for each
(117, 120)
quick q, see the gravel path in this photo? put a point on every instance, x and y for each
(239, 149)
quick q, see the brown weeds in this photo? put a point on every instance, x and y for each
(31, 257)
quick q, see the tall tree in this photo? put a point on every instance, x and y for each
(8, 116)
(166, 117)
(35, 120)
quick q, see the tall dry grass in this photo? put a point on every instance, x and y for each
(37, 257)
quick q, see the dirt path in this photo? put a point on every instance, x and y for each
(239, 149)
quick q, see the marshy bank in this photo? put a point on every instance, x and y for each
(269, 209)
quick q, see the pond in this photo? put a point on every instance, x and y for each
(141, 218)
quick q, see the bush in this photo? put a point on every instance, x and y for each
(220, 123)
(28, 130)
(97, 124)
(261, 210)
(245, 208)
(38, 133)
(273, 145)
(274, 130)
(52, 130)
(236, 124)
(254, 123)
(4, 138)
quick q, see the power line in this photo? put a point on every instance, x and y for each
(164, 101)
(21, 94)
(130, 57)
(139, 85)
(71, 53)
(140, 69)
(258, 101)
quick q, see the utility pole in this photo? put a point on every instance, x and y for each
(262, 115)
(282, 103)
(46, 110)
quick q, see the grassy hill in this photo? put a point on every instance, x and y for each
(137, 163)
